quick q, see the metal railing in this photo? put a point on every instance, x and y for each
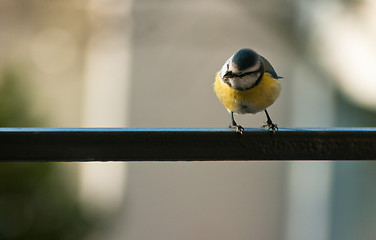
(185, 144)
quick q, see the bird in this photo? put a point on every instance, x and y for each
(247, 83)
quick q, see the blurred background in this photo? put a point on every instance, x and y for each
(151, 63)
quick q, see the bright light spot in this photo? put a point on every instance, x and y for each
(53, 50)
(107, 80)
(348, 52)
(102, 186)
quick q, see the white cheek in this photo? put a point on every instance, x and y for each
(225, 66)
(223, 70)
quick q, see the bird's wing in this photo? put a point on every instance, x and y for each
(269, 68)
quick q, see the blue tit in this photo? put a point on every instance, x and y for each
(247, 83)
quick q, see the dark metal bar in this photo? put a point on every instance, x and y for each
(185, 144)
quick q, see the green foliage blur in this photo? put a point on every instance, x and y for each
(35, 199)
(14, 108)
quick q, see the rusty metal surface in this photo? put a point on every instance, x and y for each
(185, 144)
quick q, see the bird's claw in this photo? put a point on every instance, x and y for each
(237, 128)
(270, 126)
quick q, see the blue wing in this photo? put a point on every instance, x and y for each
(269, 68)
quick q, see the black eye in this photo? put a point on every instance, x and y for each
(228, 74)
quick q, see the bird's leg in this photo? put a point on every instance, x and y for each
(234, 125)
(269, 123)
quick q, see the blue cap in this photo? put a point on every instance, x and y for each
(245, 58)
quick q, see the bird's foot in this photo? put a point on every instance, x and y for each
(271, 126)
(237, 128)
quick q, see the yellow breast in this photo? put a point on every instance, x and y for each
(248, 101)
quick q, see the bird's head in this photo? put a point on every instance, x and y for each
(242, 70)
